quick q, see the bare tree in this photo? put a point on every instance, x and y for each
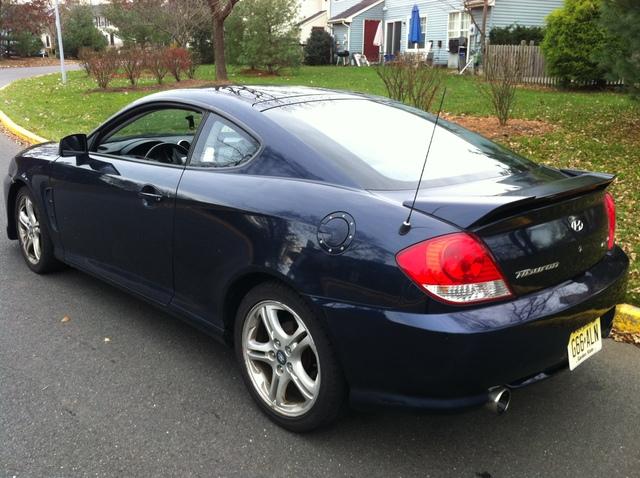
(220, 11)
(410, 80)
(503, 73)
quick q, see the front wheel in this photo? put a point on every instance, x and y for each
(286, 359)
(33, 236)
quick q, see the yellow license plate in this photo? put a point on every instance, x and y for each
(584, 342)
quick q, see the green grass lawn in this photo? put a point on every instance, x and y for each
(597, 131)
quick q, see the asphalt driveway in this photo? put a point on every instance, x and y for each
(124, 390)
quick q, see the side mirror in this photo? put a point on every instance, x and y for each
(74, 145)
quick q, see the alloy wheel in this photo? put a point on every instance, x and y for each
(281, 358)
(29, 230)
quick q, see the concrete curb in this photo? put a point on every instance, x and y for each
(627, 319)
(17, 130)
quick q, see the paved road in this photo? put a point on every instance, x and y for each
(161, 399)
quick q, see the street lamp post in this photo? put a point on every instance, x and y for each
(63, 73)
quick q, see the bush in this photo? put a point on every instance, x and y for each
(270, 35)
(79, 31)
(26, 43)
(132, 63)
(502, 76)
(177, 61)
(572, 39)
(194, 63)
(621, 21)
(234, 28)
(409, 80)
(516, 34)
(103, 66)
(155, 62)
(317, 51)
(84, 56)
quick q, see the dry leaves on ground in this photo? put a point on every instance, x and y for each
(626, 337)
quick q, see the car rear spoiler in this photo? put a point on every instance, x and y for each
(472, 212)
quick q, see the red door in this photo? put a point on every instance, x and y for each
(371, 51)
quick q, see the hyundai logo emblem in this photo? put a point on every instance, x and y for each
(576, 224)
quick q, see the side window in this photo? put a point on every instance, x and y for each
(222, 144)
(162, 135)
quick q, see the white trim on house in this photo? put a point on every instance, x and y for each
(480, 3)
(350, 18)
(384, 34)
(459, 29)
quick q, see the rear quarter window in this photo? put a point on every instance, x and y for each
(383, 145)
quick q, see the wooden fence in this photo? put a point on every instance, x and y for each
(533, 64)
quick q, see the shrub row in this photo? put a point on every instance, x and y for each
(103, 66)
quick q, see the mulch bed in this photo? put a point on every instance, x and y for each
(489, 127)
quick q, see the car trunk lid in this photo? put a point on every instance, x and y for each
(540, 232)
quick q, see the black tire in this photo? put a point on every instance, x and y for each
(331, 395)
(46, 261)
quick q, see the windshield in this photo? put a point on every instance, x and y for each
(383, 145)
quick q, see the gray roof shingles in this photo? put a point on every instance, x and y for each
(358, 7)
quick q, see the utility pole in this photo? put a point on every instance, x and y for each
(63, 73)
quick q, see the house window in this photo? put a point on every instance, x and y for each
(458, 25)
(423, 34)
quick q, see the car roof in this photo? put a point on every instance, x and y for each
(260, 98)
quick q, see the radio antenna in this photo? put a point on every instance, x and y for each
(406, 225)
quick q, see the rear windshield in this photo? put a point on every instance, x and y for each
(383, 145)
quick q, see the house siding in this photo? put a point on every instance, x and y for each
(502, 14)
(522, 12)
(339, 34)
(437, 22)
(357, 26)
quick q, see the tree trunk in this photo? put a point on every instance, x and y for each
(483, 33)
(218, 49)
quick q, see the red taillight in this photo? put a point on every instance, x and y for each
(610, 207)
(455, 268)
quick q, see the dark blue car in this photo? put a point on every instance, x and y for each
(272, 218)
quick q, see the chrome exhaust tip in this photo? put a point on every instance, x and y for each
(499, 399)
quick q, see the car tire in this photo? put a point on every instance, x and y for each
(33, 235)
(310, 390)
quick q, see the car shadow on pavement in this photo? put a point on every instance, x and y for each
(120, 373)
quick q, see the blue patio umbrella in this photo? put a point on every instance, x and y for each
(415, 32)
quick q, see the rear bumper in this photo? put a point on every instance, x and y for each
(451, 360)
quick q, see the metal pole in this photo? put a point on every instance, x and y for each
(63, 73)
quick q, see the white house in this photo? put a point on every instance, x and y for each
(313, 15)
(109, 31)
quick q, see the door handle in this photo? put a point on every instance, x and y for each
(150, 194)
